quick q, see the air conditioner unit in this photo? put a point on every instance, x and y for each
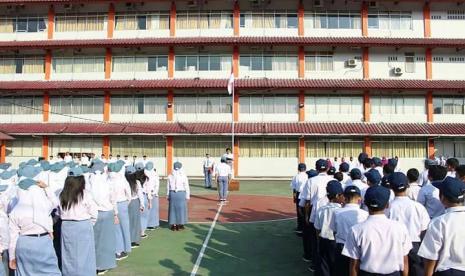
(192, 4)
(373, 4)
(318, 3)
(351, 63)
(398, 71)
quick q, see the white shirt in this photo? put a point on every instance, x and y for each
(177, 181)
(445, 240)
(4, 231)
(56, 181)
(68, 158)
(428, 196)
(152, 184)
(423, 179)
(139, 194)
(228, 156)
(451, 174)
(120, 185)
(344, 218)
(411, 214)
(380, 170)
(102, 192)
(298, 181)
(84, 209)
(345, 180)
(84, 160)
(223, 169)
(208, 162)
(413, 191)
(379, 243)
(323, 219)
(318, 192)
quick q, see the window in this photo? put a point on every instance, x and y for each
(139, 104)
(456, 59)
(196, 104)
(24, 147)
(23, 24)
(449, 105)
(22, 65)
(390, 20)
(268, 147)
(268, 104)
(331, 104)
(403, 148)
(140, 64)
(203, 63)
(138, 146)
(438, 59)
(80, 22)
(450, 147)
(409, 62)
(196, 20)
(333, 19)
(142, 21)
(269, 20)
(78, 64)
(268, 62)
(199, 146)
(20, 105)
(320, 148)
(456, 15)
(319, 61)
(75, 145)
(397, 104)
(76, 105)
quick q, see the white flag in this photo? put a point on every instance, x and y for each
(231, 83)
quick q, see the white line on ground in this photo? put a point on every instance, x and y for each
(205, 242)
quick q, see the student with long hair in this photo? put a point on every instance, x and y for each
(78, 212)
(178, 192)
(153, 180)
(147, 192)
(136, 205)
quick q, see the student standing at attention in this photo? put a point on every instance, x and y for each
(178, 193)
(443, 247)
(153, 180)
(208, 165)
(297, 184)
(378, 246)
(223, 176)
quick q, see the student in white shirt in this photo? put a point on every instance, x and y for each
(414, 188)
(423, 178)
(452, 164)
(4, 233)
(208, 166)
(378, 245)
(443, 247)
(341, 223)
(178, 193)
(411, 214)
(306, 231)
(344, 169)
(136, 205)
(147, 194)
(85, 160)
(297, 184)
(153, 181)
(68, 158)
(223, 175)
(378, 165)
(326, 241)
(428, 195)
(78, 212)
(356, 177)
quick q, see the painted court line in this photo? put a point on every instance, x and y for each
(205, 242)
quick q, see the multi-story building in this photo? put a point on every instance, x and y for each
(318, 78)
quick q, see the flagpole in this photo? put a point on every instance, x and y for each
(232, 129)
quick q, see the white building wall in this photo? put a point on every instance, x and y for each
(202, 74)
(260, 117)
(82, 118)
(448, 118)
(22, 77)
(20, 118)
(441, 26)
(244, 73)
(446, 69)
(141, 33)
(398, 118)
(159, 164)
(267, 167)
(139, 75)
(382, 68)
(340, 69)
(192, 166)
(203, 117)
(137, 118)
(78, 76)
(23, 36)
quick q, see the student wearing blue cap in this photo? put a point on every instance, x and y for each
(411, 214)
(428, 195)
(341, 223)
(147, 192)
(344, 169)
(443, 245)
(414, 188)
(297, 184)
(356, 180)
(326, 241)
(378, 246)
(136, 204)
(178, 193)
(153, 182)
(378, 165)
(30, 228)
(306, 231)
(78, 212)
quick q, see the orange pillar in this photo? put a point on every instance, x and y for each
(431, 149)
(170, 106)
(173, 19)
(45, 147)
(301, 105)
(300, 16)
(169, 154)
(301, 150)
(111, 21)
(2, 151)
(301, 56)
(429, 107)
(48, 64)
(366, 106)
(364, 15)
(106, 146)
(236, 18)
(108, 64)
(236, 61)
(236, 157)
(46, 107)
(366, 63)
(427, 20)
(429, 64)
(367, 145)
(106, 106)
(171, 62)
(50, 22)
(236, 105)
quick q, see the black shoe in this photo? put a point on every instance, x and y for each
(150, 228)
(297, 231)
(305, 259)
(101, 272)
(134, 245)
(121, 256)
(143, 236)
(311, 269)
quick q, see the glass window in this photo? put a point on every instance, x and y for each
(180, 63)
(256, 62)
(410, 63)
(215, 63)
(152, 64)
(162, 63)
(142, 22)
(21, 25)
(292, 21)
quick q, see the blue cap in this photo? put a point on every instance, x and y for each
(356, 173)
(5, 166)
(398, 181)
(349, 190)
(361, 157)
(114, 167)
(451, 188)
(301, 167)
(3, 188)
(177, 165)
(373, 176)
(98, 166)
(26, 183)
(130, 170)
(392, 162)
(377, 197)
(121, 162)
(45, 165)
(149, 166)
(56, 167)
(140, 166)
(32, 162)
(22, 164)
(75, 172)
(71, 164)
(377, 161)
(85, 169)
(312, 173)
(29, 171)
(8, 174)
(332, 171)
(321, 164)
(344, 167)
(334, 187)
(385, 181)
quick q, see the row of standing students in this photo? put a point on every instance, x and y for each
(74, 220)
(374, 227)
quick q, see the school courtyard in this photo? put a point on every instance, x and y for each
(253, 235)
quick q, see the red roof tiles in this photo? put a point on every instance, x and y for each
(4, 136)
(241, 129)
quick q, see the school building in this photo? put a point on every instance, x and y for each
(314, 78)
